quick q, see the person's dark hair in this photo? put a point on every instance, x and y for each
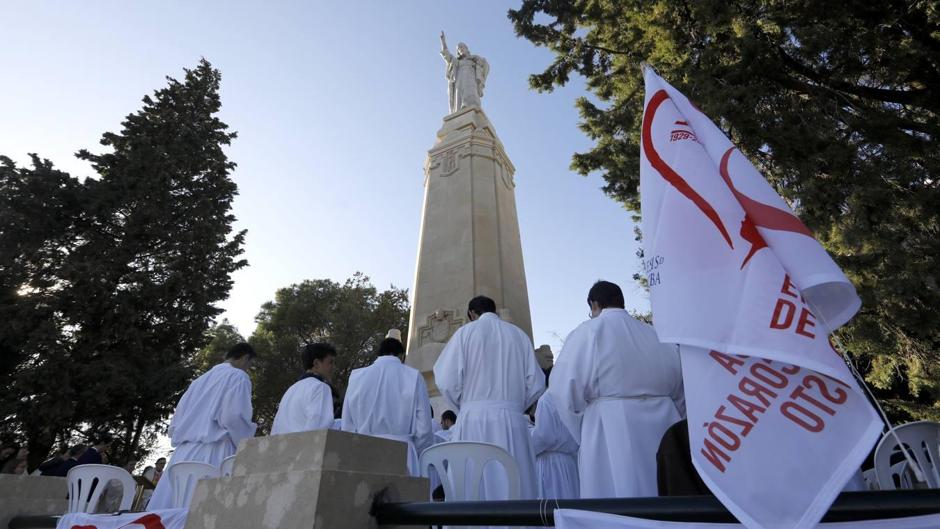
(239, 350)
(481, 305)
(606, 294)
(160, 459)
(449, 415)
(391, 346)
(315, 351)
(77, 450)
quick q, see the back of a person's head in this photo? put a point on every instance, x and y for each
(450, 416)
(77, 450)
(315, 351)
(239, 350)
(606, 294)
(391, 346)
(481, 305)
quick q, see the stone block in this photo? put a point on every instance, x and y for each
(311, 480)
(31, 495)
(320, 450)
(310, 499)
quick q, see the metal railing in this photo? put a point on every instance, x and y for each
(849, 506)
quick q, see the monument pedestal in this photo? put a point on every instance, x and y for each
(22, 495)
(325, 479)
(469, 243)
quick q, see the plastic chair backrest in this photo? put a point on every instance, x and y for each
(184, 476)
(87, 483)
(923, 440)
(900, 474)
(450, 461)
(228, 464)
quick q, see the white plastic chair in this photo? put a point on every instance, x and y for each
(184, 476)
(450, 461)
(922, 438)
(228, 464)
(87, 483)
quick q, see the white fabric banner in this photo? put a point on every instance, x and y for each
(159, 519)
(572, 519)
(777, 424)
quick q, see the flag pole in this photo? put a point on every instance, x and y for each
(837, 343)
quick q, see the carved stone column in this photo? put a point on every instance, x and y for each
(469, 242)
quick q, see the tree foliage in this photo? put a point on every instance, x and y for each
(837, 103)
(353, 316)
(111, 283)
(219, 339)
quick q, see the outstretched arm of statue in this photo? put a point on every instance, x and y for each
(445, 53)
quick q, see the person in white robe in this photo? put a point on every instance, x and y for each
(389, 399)
(488, 373)
(617, 389)
(308, 404)
(556, 454)
(211, 418)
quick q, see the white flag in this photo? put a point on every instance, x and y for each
(777, 424)
(159, 519)
(573, 519)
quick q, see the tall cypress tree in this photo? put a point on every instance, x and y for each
(109, 285)
(158, 256)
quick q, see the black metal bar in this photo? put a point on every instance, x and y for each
(849, 506)
(33, 522)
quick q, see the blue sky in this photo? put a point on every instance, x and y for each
(336, 105)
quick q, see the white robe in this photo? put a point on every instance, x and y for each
(488, 372)
(443, 436)
(306, 405)
(212, 417)
(556, 454)
(389, 399)
(617, 389)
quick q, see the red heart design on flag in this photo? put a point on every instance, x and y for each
(149, 521)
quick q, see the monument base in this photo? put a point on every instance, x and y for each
(307, 480)
(31, 495)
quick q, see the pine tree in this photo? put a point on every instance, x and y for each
(40, 215)
(837, 103)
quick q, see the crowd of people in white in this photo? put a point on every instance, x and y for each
(612, 394)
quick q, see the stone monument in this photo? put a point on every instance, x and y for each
(469, 242)
(325, 479)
